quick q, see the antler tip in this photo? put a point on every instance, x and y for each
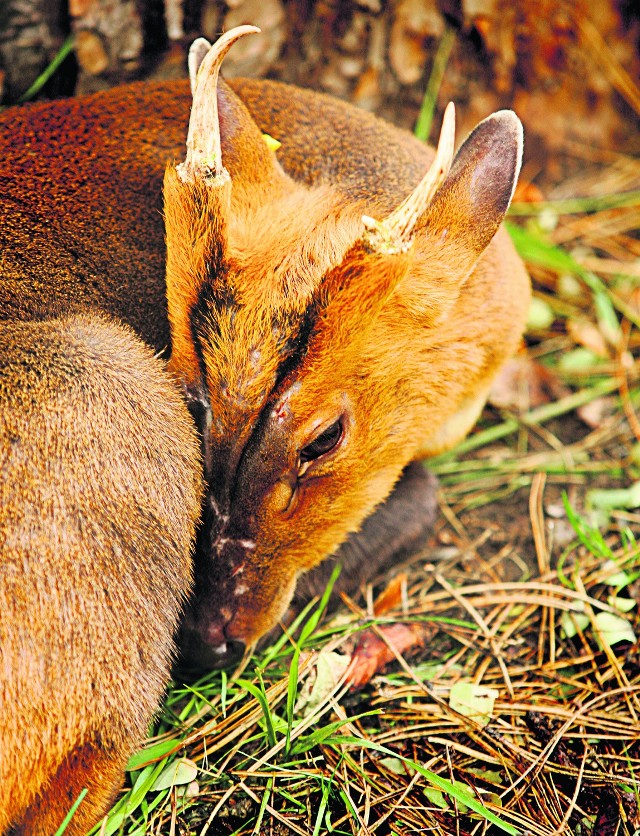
(203, 141)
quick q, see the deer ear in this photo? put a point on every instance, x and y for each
(255, 171)
(463, 216)
(471, 203)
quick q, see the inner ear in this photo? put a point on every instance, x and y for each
(468, 208)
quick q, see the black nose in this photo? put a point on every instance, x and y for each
(196, 656)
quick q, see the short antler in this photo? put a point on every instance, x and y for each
(395, 233)
(197, 53)
(204, 157)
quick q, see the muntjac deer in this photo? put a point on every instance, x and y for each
(330, 314)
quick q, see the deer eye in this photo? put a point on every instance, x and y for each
(323, 443)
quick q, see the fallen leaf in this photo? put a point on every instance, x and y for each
(391, 596)
(594, 413)
(397, 766)
(178, 772)
(540, 316)
(614, 498)
(613, 629)
(473, 701)
(372, 652)
(436, 797)
(579, 360)
(588, 335)
(613, 576)
(573, 623)
(621, 604)
(329, 669)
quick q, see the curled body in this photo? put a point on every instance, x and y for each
(209, 421)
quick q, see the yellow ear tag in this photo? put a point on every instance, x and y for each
(272, 144)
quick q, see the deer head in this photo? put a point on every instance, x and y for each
(317, 347)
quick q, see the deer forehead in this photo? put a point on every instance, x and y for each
(282, 247)
(253, 323)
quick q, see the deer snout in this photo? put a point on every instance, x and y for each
(209, 649)
(206, 640)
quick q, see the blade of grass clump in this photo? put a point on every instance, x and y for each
(151, 754)
(536, 250)
(261, 697)
(270, 654)
(614, 499)
(322, 735)
(314, 619)
(71, 813)
(224, 683)
(310, 621)
(131, 801)
(533, 248)
(292, 694)
(351, 807)
(49, 71)
(263, 805)
(322, 807)
(428, 106)
(447, 787)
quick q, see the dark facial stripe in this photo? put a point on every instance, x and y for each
(296, 346)
(216, 296)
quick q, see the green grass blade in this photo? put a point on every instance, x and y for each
(533, 248)
(536, 250)
(292, 693)
(50, 70)
(428, 106)
(260, 695)
(224, 684)
(71, 812)
(147, 756)
(591, 538)
(326, 733)
(576, 205)
(263, 805)
(314, 619)
(324, 801)
(132, 800)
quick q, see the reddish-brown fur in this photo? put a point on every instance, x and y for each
(100, 478)
(281, 320)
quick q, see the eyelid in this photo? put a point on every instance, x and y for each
(336, 428)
